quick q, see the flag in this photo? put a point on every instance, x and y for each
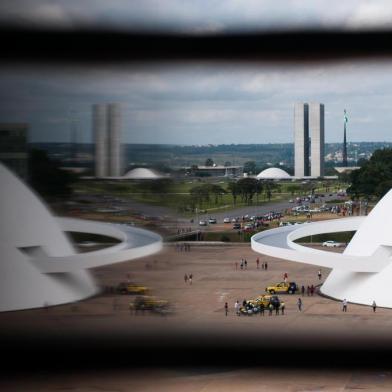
(345, 117)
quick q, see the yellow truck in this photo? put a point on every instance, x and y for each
(131, 288)
(282, 288)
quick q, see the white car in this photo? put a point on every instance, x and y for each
(331, 244)
(226, 220)
(202, 223)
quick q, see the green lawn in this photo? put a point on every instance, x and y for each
(176, 194)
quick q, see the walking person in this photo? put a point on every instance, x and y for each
(186, 278)
(344, 305)
(311, 290)
(270, 308)
(262, 265)
(242, 264)
(257, 263)
(190, 278)
(282, 306)
(299, 304)
(303, 290)
(266, 266)
(226, 308)
(308, 291)
(374, 306)
(246, 264)
(319, 274)
(261, 309)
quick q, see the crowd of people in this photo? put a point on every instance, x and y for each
(184, 247)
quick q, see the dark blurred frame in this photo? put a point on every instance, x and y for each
(88, 351)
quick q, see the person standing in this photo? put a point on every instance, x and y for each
(226, 308)
(282, 307)
(257, 263)
(319, 274)
(261, 309)
(299, 304)
(246, 264)
(186, 278)
(311, 290)
(374, 306)
(237, 308)
(308, 291)
(344, 305)
(303, 290)
(242, 264)
(190, 278)
(262, 265)
(265, 265)
(270, 308)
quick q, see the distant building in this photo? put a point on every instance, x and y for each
(308, 122)
(273, 173)
(13, 148)
(301, 139)
(107, 139)
(216, 171)
(316, 126)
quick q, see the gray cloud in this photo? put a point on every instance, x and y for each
(199, 16)
(200, 103)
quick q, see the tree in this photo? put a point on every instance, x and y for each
(250, 167)
(217, 191)
(209, 162)
(47, 178)
(293, 188)
(234, 189)
(269, 186)
(247, 188)
(374, 178)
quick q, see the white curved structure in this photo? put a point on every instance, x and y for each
(362, 273)
(273, 173)
(38, 264)
(142, 173)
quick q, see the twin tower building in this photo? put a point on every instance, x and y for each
(308, 140)
(107, 138)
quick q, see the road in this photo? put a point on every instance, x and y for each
(279, 206)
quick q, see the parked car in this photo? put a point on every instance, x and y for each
(212, 220)
(331, 244)
(226, 220)
(237, 226)
(203, 223)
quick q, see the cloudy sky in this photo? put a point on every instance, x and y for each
(198, 16)
(200, 103)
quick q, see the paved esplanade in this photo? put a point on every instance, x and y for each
(362, 274)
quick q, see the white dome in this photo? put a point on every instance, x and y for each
(273, 173)
(141, 173)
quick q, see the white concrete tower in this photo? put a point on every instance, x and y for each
(301, 140)
(316, 126)
(114, 127)
(101, 140)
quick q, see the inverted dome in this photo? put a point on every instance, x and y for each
(142, 173)
(273, 173)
